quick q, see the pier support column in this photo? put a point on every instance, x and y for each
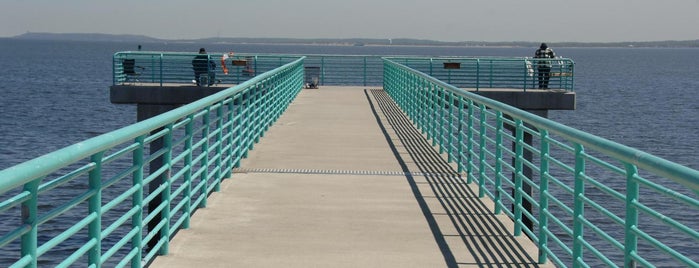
(526, 170)
(146, 111)
(538, 102)
(152, 100)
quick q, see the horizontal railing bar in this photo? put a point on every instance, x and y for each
(120, 221)
(667, 192)
(51, 214)
(14, 234)
(598, 254)
(119, 245)
(67, 177)
(659, 245)
(119, 199)
(15, 200)
(44, 165)
(567, 162)
(669, 221)
(70, 231)
(67, 262)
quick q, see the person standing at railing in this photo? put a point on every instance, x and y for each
(544, 66)
(203, 65)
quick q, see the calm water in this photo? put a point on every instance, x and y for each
(53, 94)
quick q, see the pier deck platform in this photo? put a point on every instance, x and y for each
(343, 179)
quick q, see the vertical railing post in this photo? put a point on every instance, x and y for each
(518, 176)
(188, 144)
(442, 123)
(498, 163)
(631, 221)
(572, 76)
(543, 196)
(490, 76)
(460, 138)
(231, 147)
(166, 198)
(427, 121)
(578, 206)
(469, 143)
(435, 123)
(450, 130)
(481, 150)
(365, 70)
(30, 216)
(240, 124)
(161, 69)
(219, 148)
(114, 69)
(257, 111)
(204, 163)
(431, 67)
(478, 74)
(322, 70)
(95, 209)
(153, 74)
(137, 201)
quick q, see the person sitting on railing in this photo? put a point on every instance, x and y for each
(544, 66)
(203, 65)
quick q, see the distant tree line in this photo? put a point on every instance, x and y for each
(346, 41)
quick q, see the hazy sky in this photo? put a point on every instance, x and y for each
(445, 20)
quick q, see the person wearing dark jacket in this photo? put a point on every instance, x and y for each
(544, 66)
(203, 65)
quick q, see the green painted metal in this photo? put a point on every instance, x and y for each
(578, 206)
(491, 72)
(543, 197)
(91, 197)
(595, 202)
(203, 141)
(158, 68)
(518, 177)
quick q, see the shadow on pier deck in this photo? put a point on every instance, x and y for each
(344, 179)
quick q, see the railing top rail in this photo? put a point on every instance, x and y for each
(150, 53)
(503, 58)
(41, 166)
(681, 174)
(391, 57)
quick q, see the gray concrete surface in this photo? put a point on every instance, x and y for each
(344, 180)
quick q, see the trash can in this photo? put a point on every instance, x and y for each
(312, 76)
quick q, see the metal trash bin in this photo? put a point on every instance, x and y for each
(312, 76)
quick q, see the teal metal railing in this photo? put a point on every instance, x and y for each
(493, 72)
(159, 68)
(88, 203)
(367, 70)
(593, 202)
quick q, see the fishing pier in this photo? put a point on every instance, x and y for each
(347, 161)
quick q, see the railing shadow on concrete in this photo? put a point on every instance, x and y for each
(467, 232)
(582, 199)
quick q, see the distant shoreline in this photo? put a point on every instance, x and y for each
(349, 41)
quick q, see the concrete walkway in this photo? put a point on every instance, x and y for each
(344, 180)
